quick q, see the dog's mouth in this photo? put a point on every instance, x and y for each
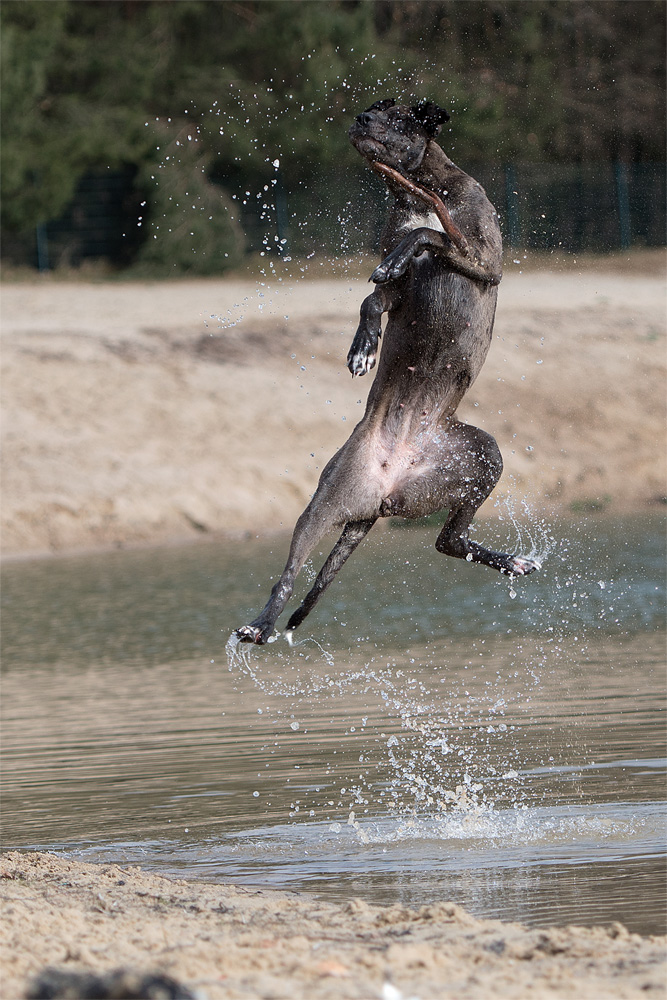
(365, 143)
(374, 150)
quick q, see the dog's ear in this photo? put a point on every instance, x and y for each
(382, 105)
(429, 116)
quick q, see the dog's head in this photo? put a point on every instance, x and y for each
(395, 134)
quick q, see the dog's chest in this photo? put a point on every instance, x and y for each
(417, 220)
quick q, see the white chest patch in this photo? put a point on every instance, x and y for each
(430, 220)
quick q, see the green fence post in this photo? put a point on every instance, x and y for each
(281, 213)
(512, 206)
(42, 247)
(623, 200)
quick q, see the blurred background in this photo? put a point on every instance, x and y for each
(154, 138)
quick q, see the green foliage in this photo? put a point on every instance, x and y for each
(34, 177)
(266, 80)
(192, 228)
(68, 104)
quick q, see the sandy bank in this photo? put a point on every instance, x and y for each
(139, 412)
(230, 943)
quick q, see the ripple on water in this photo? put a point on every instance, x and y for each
(425, 737)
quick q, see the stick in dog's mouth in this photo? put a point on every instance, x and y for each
(441, 210)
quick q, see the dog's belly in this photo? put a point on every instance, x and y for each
(395, 462)
(397, 474)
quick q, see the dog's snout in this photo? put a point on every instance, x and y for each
(365, 118)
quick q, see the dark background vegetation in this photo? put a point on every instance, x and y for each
(148, 131)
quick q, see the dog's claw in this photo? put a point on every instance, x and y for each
(249, 633)
(363, 352)
(522, 566)
(360, 364)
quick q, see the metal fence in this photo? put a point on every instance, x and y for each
(577, 207)
(597, 207)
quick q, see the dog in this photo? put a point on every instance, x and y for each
(438, 280)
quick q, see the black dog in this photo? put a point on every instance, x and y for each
(409, 456)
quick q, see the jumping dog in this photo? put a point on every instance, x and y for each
(410, 456)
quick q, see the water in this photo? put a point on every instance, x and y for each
(433, 733)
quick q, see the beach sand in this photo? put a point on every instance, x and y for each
(222, 942)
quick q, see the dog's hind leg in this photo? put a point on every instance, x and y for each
(309, 529)
(353, 533)
(453, 540)
(471, 465)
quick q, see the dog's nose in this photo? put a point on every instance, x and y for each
(365, 118)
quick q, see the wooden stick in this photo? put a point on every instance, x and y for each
(431, 198)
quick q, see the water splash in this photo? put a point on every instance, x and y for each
(455, 739)
(429, 744)
(533, 535)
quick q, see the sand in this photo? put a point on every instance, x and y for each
(224, 942)
(140, 413)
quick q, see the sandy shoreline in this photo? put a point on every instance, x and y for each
(222, 942)
(141, 413)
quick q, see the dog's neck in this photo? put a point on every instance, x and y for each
(435, 169)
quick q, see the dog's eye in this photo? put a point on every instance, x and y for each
(405, 124)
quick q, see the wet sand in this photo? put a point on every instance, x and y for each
(141, 413)
(222, 942)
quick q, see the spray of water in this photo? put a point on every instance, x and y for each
(442, 747)
(447, 755)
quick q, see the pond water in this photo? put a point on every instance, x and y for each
(434, 733)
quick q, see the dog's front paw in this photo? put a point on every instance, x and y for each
(386, 272)
(362, 355)
(361, 363)
(393, 266)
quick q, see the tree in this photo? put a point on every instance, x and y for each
(92, 85)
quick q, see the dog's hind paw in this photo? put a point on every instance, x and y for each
(249, 633)
(522, 565)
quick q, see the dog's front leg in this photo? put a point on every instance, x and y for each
(363, 353)
(420, 240)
